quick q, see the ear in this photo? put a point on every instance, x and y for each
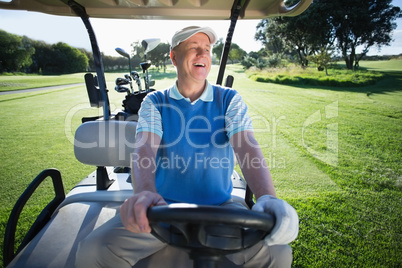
(173, 57)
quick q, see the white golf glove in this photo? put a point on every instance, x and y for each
(286, 226)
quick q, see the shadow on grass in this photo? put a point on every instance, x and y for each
(391, 82)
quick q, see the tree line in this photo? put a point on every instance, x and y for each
(22, 54)
(327, 29)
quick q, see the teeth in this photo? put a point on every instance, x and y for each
(199, 64)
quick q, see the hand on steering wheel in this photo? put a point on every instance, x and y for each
(286, 227)
(133, 211)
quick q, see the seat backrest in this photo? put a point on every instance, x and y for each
(105, 143)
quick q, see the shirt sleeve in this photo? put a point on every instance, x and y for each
(149, 118)
(236, 117)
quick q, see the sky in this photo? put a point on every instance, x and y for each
(112, 33)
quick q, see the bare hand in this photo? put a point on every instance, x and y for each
(133, 212)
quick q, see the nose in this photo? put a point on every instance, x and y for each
(201, 52)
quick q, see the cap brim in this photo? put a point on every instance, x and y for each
(188, 32)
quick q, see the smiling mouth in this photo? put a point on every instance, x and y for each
(199, 64)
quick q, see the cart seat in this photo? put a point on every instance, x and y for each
(105, 143)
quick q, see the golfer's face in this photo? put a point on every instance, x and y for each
(192, 57)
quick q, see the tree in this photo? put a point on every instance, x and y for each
(15, 52)
(66, 59)
(282, 34)
(269, 33)
(304, 34)
(159, 55)
(322, 59)
(346, 24)
(42, 57)
(137, 54)
(236, 53)
(218, 48)
(91, 60)
(111, 63)
(24, 54)
(365, 23)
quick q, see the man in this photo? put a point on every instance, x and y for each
(185, 139)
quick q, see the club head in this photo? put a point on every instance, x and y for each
(122, 52)
(135, 75)
(122, 89)
(145, 65)
(122, 81)
(150, 44)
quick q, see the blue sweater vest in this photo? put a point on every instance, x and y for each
(194, 162)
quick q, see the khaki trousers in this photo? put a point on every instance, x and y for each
(111, 245)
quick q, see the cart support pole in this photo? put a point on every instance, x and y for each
(237, 9)
(81, 12)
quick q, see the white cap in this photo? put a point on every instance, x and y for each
(186, 33)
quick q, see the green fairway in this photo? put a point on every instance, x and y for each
(17, 82)
(335, 154)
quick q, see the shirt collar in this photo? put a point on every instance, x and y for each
(206, 96)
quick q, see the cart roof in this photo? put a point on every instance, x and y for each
(161, 9)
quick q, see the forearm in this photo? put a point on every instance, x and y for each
(259, 177)
(133, 210)
(253, 164)
(143, 166)
(142, 176)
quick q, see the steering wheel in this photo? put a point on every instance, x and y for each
(208, 232)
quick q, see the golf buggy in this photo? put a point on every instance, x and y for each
(196, 235)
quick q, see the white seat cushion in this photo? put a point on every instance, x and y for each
(105, 143)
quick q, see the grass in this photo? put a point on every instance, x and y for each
(335, 155)
(17, 82)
